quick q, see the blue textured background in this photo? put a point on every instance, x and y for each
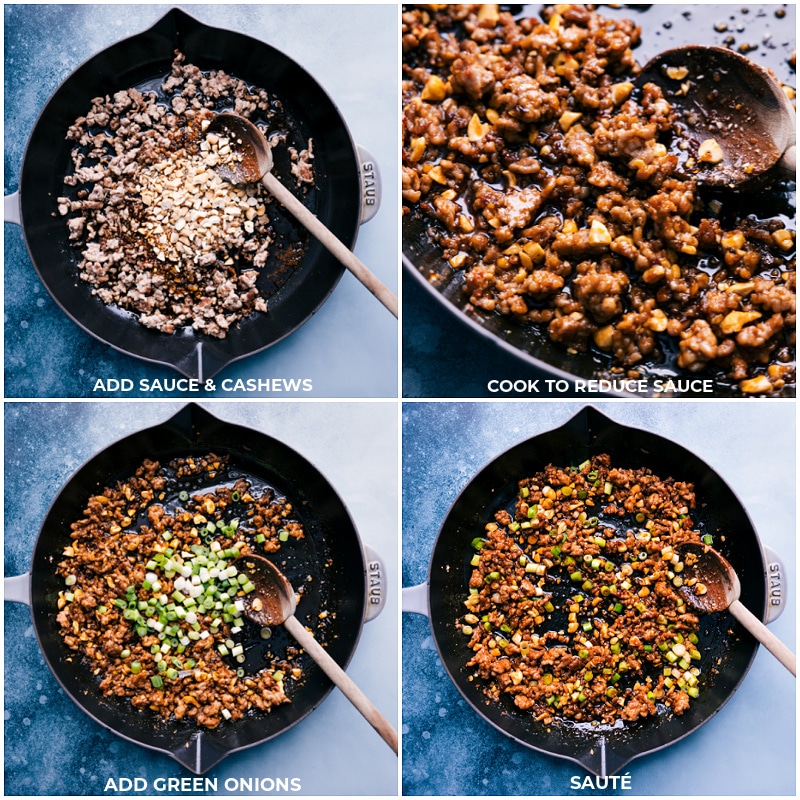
(748, 748)
(53, 749)
(349, 348)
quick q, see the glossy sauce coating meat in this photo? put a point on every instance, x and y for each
(548, 178)
(153, 602)
(573, 608)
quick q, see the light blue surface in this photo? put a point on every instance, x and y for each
(748, 748)
(52, 748)
(349, 348)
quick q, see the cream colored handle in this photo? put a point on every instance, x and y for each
(11, 210)
(765, 636)
(17, 589)
(327, 239)
(343, 681)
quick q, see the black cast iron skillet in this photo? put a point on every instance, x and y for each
(145, 59)
(663, 26)
(331, 538)
(601, 751)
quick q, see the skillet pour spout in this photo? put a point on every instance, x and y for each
(601, 750)
(199, 754)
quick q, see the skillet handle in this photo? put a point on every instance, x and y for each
(777, 590)
(11, 209)
(17, 589)
(415, 599)
(370, 184)
(376, 584)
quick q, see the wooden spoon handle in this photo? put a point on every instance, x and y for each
(343, 681)
(326, 238)
(765, 636)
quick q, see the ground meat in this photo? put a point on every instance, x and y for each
(698, 346)
(302, 167)
(153, 601)
(153, 222)
(508, 123)
(574, 609)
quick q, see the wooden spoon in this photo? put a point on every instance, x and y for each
(255, 166)
(737, 122)
(273, 603)
(716, 588)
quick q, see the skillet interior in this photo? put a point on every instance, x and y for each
(590, 432)
(147, 57)
(341, 588)
(663, 26)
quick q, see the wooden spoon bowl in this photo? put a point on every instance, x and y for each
(710, 585)
(737, 124)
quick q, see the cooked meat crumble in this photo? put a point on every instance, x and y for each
(161, 234)
(153, 600)
(573, 608)
(552, 181)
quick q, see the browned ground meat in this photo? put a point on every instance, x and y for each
(160, 234)
(138, 576)
(548, 179)
(573, 608)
